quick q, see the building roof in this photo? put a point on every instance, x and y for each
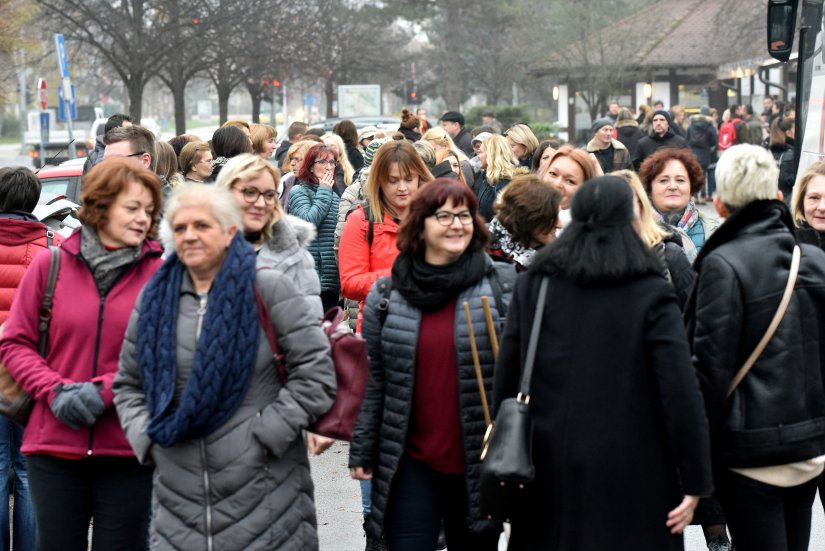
(673, 34)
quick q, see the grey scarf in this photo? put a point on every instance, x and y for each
(106, 266)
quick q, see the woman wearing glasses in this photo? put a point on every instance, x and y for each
(421, 424)
(279, 240)
(313, 199)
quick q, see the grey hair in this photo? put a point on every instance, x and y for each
(746, 173)
(219, 200)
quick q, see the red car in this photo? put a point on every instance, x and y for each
(64, 179)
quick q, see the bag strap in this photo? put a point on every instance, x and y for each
(527, 374)
(385, 286)
(46, 304)
(777, 317)
(269, 331)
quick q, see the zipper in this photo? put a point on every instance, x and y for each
(204, 300)
(206, 490)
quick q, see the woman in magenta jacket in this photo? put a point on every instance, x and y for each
(81, 466)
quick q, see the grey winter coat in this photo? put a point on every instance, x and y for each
(286, 251)
(246, 486)
(380, 434)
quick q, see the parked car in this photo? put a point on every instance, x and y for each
(62, 180)
(382, 123)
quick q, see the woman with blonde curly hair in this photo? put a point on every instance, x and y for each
(498, 166)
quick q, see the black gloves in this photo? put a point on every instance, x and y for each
(77, 404)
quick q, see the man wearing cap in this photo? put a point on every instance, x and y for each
(365, 136)
(453, 123)
(611, 154)
(661, 137)
(475, 162)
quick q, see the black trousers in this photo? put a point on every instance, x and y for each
(419, 499)
(329, 300)
(114, 491)
(761, 516)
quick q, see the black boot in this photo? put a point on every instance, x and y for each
(374, 544)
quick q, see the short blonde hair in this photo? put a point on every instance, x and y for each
(343, 158)
(651, 232)
(521, 134)
(259, 134)
(219, 200)
(746, 173)
(438, 136)
(300, 147)
(801, 187)
(245, 167)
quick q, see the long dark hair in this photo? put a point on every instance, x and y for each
(600, 245)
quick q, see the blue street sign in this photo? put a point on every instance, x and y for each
(310, 99)
(61, 105)
(62, 59)
(44, 127)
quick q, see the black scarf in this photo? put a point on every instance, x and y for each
(429, 288)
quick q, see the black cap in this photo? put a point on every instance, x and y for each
(453, 116)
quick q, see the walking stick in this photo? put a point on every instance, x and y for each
(477, 364)
(491, 327)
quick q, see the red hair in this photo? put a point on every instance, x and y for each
(318, 151)
(427, 200)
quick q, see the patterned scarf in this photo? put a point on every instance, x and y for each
(502, 239)
(106, 266)
(683, 221)
(224, 360)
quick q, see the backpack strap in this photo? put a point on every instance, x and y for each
(385, 286)
(49, 237)
(269, 331)
(46, 303)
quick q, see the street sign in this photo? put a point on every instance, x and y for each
(42, 94)
(44, 127)
(62, 59)
(61, 105)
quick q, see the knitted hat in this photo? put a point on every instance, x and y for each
(367, 132)
(598, 124)
(704, 110)
(481, 137)
(665, 114)
(453, 116)
(372, 148)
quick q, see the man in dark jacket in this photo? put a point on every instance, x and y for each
(662, 136)
(702, 139)
(768, 433)
(453, 123)
(115, 121)
(294, 133)
(611, 154)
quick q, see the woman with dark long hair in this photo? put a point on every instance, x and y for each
(614, 401)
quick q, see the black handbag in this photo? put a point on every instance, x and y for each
(507, 471)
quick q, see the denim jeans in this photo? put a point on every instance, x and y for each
(366, 496)
(11, 435)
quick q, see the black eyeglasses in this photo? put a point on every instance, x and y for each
(329, 162)
(445, 218)
(250, 195)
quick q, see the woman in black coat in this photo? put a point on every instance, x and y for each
(620, 440)
(419, 433)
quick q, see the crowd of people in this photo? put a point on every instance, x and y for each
(161, 415)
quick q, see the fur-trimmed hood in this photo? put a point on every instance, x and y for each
(627, 122)
(592, 146)
(292, 231)
(699, 117)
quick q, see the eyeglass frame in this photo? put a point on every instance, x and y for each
(453, 216)
(258, 194)
(329, 162)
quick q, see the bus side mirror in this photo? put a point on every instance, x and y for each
(781, 28)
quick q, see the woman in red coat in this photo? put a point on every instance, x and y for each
(81, 467)
(368, 247)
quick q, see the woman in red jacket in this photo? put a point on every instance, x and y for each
(368, 247)
(81, 466)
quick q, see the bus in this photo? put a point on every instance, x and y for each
(783, 18)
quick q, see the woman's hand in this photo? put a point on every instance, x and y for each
(318, 444)
(679, 518)
(328, 179)
(361, 473)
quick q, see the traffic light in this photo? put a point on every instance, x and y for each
(413, 96)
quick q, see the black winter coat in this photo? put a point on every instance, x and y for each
(777, 413)
(629, 134)
(783, 154)
(356, 158)
(619, 433)
(702, 139)
(380, 434)
(650, 144)
(464, 141)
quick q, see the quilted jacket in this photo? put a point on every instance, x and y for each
(381, 430)
(319, 205)
(246, 486)
(777, 414)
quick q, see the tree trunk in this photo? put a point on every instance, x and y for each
(223, 103)
(135, 87)
(179, 97)
(255, 97)
(329, 87)
(453, 94)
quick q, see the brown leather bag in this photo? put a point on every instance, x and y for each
(16, 403)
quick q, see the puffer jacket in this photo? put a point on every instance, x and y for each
(21, 238)
(286, 251)
(776, 415)
(85, 337)
(319, 206)
(246, 486)
(380, 433)
(361, 264)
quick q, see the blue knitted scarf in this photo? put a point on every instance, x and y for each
(225, 355)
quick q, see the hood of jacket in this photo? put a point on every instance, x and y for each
(17, 232)
(627, 122)
(292, 231)
(592, 146)
(701, 119)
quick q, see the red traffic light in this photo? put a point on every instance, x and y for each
(276, 83)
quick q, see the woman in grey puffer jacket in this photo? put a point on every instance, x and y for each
(198, 395)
